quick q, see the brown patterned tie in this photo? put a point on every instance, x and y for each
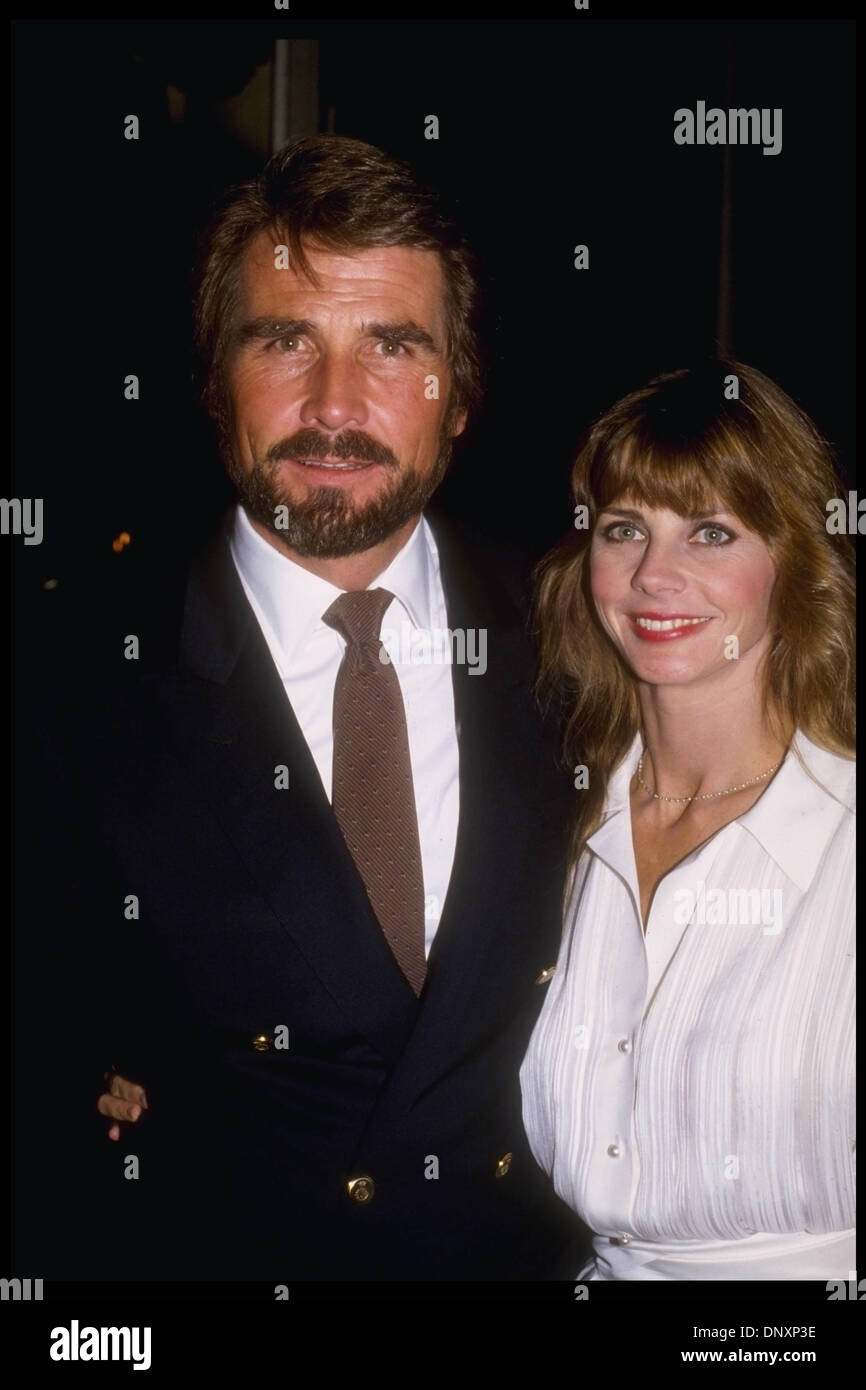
(373, 795)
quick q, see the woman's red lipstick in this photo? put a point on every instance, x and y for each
(666, 627)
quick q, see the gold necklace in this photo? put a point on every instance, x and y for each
(704, 796)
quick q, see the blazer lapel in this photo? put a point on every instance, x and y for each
(234, 726)
(230, 710)
(481, 949)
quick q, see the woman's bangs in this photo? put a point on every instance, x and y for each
(680, 483)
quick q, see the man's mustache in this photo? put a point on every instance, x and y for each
(351, 444)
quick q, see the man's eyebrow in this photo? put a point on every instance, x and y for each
(406, 331)
(258, 330)
(266, 328)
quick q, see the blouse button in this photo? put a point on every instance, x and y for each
(613, 1150)
(624, 1044)
(619, 1240)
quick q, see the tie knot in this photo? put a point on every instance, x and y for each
(358, 615)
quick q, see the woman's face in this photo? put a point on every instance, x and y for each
(684, 599)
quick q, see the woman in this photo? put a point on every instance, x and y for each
(689, 1084)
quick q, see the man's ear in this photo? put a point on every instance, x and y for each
(458, 423)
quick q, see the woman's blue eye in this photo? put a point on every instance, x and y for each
(619, 526)
(624, 531)
(721, 534)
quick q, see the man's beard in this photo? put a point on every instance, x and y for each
(327, 523)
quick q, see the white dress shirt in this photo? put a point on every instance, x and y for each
(691, 1091)
(289, 601)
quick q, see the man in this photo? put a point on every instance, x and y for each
(323, 888)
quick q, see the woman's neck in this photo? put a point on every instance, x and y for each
(704, 739)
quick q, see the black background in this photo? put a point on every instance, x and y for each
(553, 132)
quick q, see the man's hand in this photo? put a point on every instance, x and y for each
(123, 1101)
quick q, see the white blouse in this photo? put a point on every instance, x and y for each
(691, 1091)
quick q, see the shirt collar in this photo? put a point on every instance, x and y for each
(800, 810)
(292, 599)
(793, 821)
(612, 842)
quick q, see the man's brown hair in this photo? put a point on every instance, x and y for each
(343, 195)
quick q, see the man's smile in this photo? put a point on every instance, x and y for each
(341, 465)
(331, 472)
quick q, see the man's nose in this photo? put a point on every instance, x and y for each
(335, 396)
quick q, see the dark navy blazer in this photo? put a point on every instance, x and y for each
(253, 927)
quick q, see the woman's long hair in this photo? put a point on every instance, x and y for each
(721, 434)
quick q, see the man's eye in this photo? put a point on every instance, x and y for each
(289, 343)
(715, 535)
(391, 347)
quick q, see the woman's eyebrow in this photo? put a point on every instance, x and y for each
(623, 511)
(639, 516)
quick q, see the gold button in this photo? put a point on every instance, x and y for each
(546, 975)
(261, 1042)
(503, 1165)
(361, 1189)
